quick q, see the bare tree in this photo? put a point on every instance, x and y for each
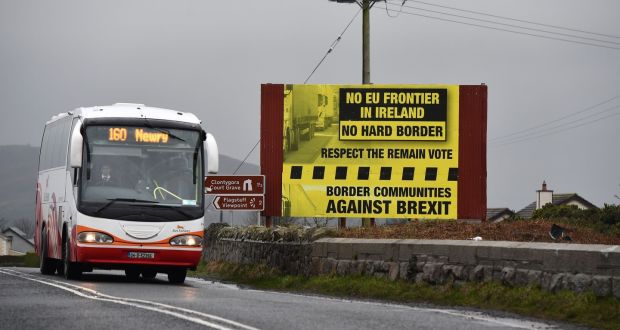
(247, 218)
(26, 225)
(285, 221)
(320, 222)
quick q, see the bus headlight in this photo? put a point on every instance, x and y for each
(186, 240)
(94, 237)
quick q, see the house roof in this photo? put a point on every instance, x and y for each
(494, 213)
(561, 199)
(16, 230)
(558, 199)
(19, 233)
(528, 211)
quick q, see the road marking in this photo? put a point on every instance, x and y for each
(138, 303)
(478, 316)
(211, 284)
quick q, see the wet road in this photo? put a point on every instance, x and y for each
(106, 299)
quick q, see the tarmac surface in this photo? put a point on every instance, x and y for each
(107, 299)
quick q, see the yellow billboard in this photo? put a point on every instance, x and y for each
(383, 151)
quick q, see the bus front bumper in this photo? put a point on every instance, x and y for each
(122, 256)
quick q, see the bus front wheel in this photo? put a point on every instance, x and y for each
(71, 270)
(149, 274)
(132, 274)
(177, 276)
(46, 265)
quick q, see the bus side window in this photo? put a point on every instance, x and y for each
(65, 130)
(55, 145)
(48, 151)
(75, 172)
(43, 152)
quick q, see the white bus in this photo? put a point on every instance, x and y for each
(121, 187)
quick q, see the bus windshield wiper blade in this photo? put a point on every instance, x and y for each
(161, 130)
(177, 209)
(168, 132)
(129, 200)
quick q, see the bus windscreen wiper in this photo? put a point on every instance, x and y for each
(177, 209)
(161, 130)
(129, 200)
(168, 132)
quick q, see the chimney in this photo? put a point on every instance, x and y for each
(543, 196)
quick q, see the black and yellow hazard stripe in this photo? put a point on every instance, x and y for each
(364, 173)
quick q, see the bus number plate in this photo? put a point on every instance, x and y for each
(141, 255)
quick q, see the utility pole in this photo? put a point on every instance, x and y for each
(366, 5)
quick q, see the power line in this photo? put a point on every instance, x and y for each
(246, 157)
(505, 30)
(506, 24)
(555, 120)
(333, 45)
(515, 19)
(557, 131)
(241, 164)
(401, 8)
(559, 126)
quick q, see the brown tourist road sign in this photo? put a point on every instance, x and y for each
(235, 185)
(239, 202)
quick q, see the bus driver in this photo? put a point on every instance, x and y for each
(106, 178)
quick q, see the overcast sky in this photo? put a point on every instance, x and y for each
(210, 57)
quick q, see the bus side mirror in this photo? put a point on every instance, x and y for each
(213, 157)
(77, 141)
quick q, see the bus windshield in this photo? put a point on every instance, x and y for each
(142, 173)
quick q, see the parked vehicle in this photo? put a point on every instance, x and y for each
(301, 103)
(326, 107)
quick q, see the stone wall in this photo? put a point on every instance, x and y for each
(292, 258)
(552, 266)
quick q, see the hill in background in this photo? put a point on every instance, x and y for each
(18, 176)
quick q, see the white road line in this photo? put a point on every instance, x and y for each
(143, 304)
(504, 321)
(211, 284)
(514, 323)
(213, 317)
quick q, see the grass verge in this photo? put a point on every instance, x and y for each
(28, 260)
(566, 306)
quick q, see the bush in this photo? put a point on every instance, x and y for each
(291, 233)
(606, 219)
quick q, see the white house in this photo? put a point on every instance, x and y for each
(19, 243)
(545, 196)
(5, 245)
